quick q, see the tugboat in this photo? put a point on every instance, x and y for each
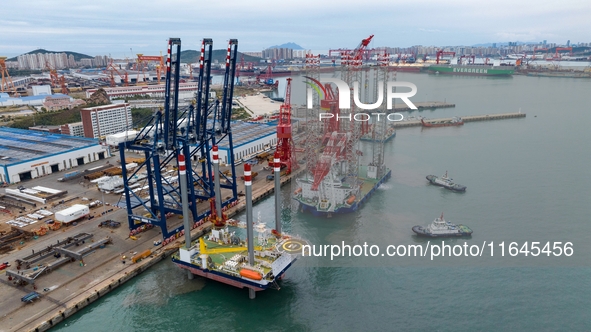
(446, 182)
(442, 228)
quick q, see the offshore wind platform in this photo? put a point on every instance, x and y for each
(335, 181)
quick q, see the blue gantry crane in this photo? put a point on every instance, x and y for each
(192, 131)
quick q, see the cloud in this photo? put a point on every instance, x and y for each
(113, 26)
(431, 30)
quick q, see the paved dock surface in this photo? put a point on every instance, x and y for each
(71, 287)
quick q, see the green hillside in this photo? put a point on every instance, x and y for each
(77, 56)
(192, 56)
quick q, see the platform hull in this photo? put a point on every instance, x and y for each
(227, 279)
(352, 208)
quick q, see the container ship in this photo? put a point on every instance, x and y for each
(471, 70)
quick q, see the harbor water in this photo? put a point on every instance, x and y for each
(528, 179)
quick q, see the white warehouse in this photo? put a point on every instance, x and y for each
(248, 140)
(28, 154)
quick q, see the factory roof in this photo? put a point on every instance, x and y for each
(21, 145)
(5, 97)
(246, 132)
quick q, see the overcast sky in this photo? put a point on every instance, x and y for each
(113, 27)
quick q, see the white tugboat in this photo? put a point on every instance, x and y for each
(442, 228)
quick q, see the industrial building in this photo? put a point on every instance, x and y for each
(105, 120)
(248, 139)
(186, 91)
(6, 100)
(49, 101)
(27, 154)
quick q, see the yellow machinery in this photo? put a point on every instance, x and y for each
(203, 249)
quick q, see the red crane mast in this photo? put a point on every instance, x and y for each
(285, 144)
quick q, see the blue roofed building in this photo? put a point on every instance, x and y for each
(28, 154)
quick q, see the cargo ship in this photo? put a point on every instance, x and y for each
(455, 121)
(472, 70)
(442, 228)
(408, 68)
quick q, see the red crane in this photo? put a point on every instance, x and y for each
(336, 141)
(570, 49)
(6, 84)
(539, 49)
(142, 63)
(285, 144)
(354, 58)
(124, 78)
(441, 53)
(472, 56)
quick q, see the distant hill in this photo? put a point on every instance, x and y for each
(291, 45)
(192, 56)
(77, 56)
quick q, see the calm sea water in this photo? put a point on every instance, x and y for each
(528, 180)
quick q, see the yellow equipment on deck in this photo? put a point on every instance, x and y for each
(203, 249)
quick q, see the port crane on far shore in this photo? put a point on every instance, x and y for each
(441, 53)
(6, 84)
(112, 70)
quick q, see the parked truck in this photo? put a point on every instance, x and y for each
(72, 213)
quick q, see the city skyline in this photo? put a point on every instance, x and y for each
(67, 25)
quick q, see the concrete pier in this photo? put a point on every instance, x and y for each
(400, 107)
(300, 111)
(104, 270)
(470, 118)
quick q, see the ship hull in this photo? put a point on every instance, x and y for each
(225, 278)
(352, 208)
(408, 69)
(471, 70)
(421, 232)
(431, 179)
(441, 124)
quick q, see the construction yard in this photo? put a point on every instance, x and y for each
(97, 267)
